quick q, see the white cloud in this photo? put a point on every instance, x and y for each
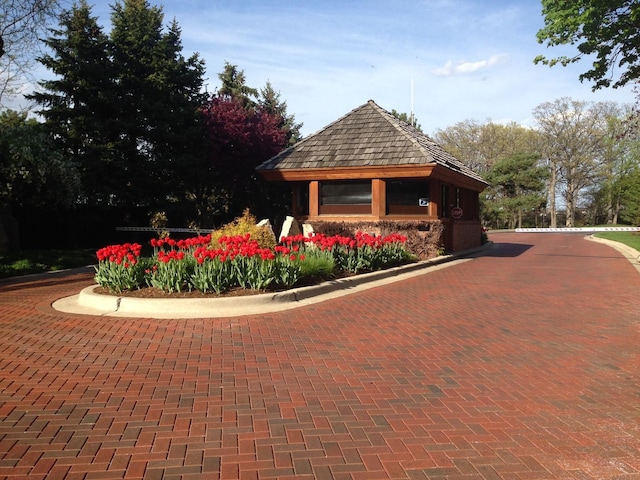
(463, 68)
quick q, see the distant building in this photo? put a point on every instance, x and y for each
(369, 166)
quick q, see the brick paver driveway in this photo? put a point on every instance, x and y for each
(521, 364)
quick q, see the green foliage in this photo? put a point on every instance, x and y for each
(410, 119)
(173, 274)
(271, 103)
(479, 146)
(124, 108)
(606, 29)
(317, 264)
(246, 224)
(630, 198)
(39, 261)
(157, 130)
(120, 267)
(78, 105)
(32, 172)
(213, 276)
(238, 261)
(517, 187)
(234, 86)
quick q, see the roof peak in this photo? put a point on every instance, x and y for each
(368, 135)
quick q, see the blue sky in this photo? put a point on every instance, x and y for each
(466, 59)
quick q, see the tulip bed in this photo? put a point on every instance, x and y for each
(196, 264)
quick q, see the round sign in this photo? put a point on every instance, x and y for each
(456, 212)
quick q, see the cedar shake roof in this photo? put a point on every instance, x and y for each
(366, 136)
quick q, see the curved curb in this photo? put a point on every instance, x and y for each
(90, 303)
(629, 253)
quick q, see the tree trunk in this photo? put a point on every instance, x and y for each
(553, 223)
(616, 211)
(570, 198)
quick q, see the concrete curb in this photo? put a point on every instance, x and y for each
(629, 253)
(90, 303)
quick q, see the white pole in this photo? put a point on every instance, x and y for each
(412, 122)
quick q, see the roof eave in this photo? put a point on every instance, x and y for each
(348, 173)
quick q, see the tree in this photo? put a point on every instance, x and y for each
(78, 105)
(607, 29)
(234, 86)
(630, 198)
(240, 139)
(573, 134)
(270, 102)
(22, 22)
(410, 119)
(33, 173)
(620, 159)
(517, 188)
(479, 146)
(158, 96)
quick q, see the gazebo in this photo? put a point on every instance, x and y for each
(369, 166)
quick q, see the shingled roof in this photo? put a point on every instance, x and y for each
(366, 136)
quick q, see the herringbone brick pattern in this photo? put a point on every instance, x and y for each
(521, 364)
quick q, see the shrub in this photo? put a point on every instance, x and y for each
(318, 264)
(241, 226)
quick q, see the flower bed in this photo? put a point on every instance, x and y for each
(197, 264)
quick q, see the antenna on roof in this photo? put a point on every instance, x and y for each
(411, 115)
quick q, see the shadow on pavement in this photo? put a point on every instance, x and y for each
(506, 250)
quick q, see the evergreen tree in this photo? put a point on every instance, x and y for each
(234, 86)
(270, 102)
(410, 119)
(158, 96)
(77, 106)
(517, 188)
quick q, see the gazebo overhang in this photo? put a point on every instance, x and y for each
(433, 171)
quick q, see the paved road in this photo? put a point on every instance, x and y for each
(521, 364)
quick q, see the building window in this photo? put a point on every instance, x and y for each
(445, 201)
(302, 198)
(407, 197)
(408, 192)
(345, 193)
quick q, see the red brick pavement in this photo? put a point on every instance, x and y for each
(521, 364)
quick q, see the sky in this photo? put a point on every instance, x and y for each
(448, 60)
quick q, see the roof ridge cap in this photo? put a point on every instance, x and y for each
(310, 136)
(401, 126)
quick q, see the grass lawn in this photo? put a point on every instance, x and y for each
(38, 261)
(631, 239)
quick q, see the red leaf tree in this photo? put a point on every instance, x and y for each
(240, 138)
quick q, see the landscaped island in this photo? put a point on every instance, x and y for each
(220, 263)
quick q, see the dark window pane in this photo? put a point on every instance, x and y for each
(407, 192)
(345, 193)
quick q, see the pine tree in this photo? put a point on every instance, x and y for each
(234, 86)
(271, 103)
(76, 105)
(158, 96)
